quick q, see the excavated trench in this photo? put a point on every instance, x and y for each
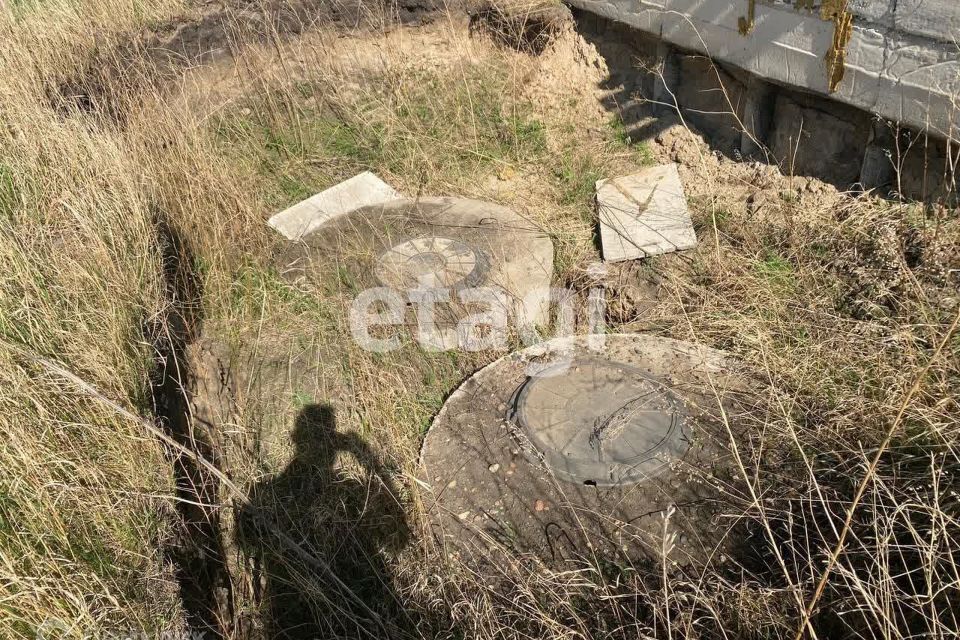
(198, 552)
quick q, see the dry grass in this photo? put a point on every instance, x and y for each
(84, 497)
(840, 301)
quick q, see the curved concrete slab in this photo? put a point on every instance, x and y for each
(448, 246)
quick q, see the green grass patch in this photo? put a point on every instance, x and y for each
(776, 270)
(427, 128)
(257, 289)
(622, 138)
(577, 177)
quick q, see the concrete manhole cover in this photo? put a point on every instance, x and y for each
(567, 448)
(436, 243)
(601, 423)
(432, 261)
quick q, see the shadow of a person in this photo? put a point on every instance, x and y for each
(318, 539)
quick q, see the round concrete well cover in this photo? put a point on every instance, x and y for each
(600, 422)
(434, 243)
(585, 443)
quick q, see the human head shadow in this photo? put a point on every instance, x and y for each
(318, 539)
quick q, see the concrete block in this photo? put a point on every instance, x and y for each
(865, 54)
(920, 85)
(926, 170)
(362, 190)
(758, 101)
(644, 214)
(782, 44)
(645, 15)
(785, 45)
(877, 169)
(712, 100)
(937, 19)
(666, 83)
(901, 60)
(879, 12)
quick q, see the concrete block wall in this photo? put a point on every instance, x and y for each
(902, 60)
(775, 80)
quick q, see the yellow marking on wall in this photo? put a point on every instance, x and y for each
(836, 11)
(745, 24)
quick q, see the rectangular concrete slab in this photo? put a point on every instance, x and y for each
(783, 44)
(646, 15)
(359, 191)
(921, 81)
(644, 214)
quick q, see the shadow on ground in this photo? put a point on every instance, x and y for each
(199, 554)
(630, 58)
(338, 583)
